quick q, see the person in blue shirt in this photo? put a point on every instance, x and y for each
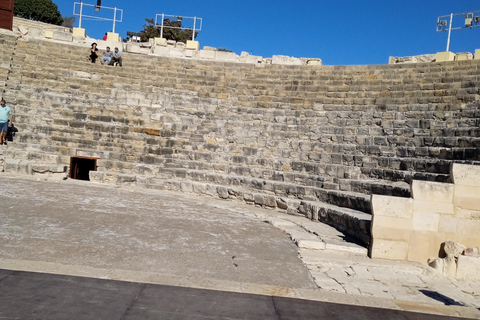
(5, 121)
(117, 57)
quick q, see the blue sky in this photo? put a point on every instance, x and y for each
(338, 32)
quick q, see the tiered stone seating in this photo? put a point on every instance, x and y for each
(316, 141)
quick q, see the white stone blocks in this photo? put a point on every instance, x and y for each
(192, 45)
(432, 191)
(464, 56)
(445, 56)
(468, 268)
(113, 37)
(79, 32)
(206, 54)
(388, 249)
(438, 212)
(286, 60)
(477, 54)
(466, 175)
(392, 206)
(226, 56)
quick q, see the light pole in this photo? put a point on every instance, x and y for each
(472, 20)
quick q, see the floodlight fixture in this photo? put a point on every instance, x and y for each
(179, 19)
(470, 20)
(98, 6)
(442, 23)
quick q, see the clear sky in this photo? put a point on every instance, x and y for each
(338, 32)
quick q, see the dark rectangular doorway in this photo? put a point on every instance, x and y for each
(81, 166)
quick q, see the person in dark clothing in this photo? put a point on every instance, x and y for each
(93, 53)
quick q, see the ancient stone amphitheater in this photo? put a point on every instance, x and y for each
(311, 140)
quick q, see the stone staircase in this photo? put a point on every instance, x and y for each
(313, 141)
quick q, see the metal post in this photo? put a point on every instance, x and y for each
(194, 24)
(114, 18)
(80, 19)
(161, 28)
(449, 31)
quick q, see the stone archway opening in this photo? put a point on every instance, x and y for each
(81, 166)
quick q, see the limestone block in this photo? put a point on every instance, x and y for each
(186, 187)
(110, 178)
(161, 50)
(392, 206)
(95, 176)
(36, 33)
(22, 29)
(174, 53)
(222, 192)
(445, 56)
(79, 32)
(62, 36)
(464, 56)
(390, 250)
(192, 45)
(286, 60)
(468, 268)
(49, 34)
(426, 221)
(314, 62)
(171, 43)
(311, 244)
(207, 48)
(391, 233)
(432, 191)
(206, 54)
(160, 42)
(466, 175)
(453, 249)
(189, 53)
(477, 54)
(226, 56)
(437, 207)
(448, 224)
(135, 47)
(424, 246)
(113, 37)
(469, 228)
(467, 197)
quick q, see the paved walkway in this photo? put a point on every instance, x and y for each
(77, 228)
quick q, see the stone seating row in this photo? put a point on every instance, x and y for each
(217, 86)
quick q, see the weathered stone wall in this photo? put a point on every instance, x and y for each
(414, 229)
(312, 140)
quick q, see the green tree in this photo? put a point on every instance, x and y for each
(39, 10)
(151, 31)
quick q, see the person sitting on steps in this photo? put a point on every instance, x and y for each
(93, 53)
(107, 56)
(117, 57)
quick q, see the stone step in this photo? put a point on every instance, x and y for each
(352, 222)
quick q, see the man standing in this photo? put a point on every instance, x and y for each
(5, 121)
(107, 56)
(117, 57)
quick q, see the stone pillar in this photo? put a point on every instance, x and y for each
(445, 56)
